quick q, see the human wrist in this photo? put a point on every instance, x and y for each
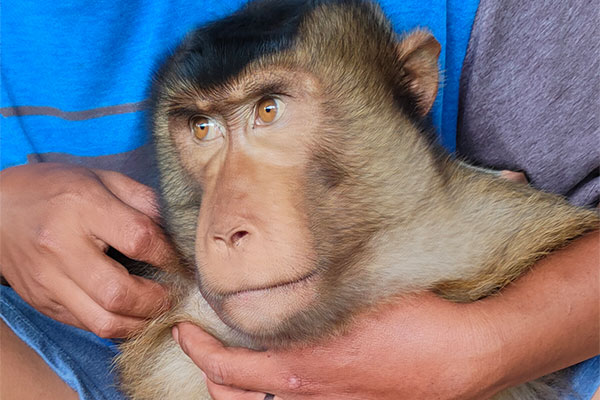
(508, 346)
(479, 349)
(528, 329)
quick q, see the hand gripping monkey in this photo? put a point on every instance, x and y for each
(300, 186)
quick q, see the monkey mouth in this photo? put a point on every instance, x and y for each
(280, 285)
(262, 310)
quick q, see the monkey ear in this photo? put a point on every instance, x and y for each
(418, 54)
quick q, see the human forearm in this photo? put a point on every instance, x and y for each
(545, 321)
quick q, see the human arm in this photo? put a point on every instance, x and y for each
(425, 347)
(57, 221)
(550, 318)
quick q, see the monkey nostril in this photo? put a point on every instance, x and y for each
(237, 237)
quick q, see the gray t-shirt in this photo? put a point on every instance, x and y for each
(530, 94)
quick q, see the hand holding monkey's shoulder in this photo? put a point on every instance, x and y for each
(300, 186)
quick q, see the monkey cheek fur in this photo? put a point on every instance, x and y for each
(264, 312)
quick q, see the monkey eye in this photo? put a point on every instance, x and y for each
(268, 110)
(204, 129)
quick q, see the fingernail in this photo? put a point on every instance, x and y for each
(175, 333)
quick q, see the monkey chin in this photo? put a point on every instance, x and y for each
(263, 312)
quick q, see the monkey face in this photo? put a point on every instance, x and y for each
(276, 177)
(249, 150)
(284, 227)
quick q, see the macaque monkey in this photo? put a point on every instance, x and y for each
(300, 186)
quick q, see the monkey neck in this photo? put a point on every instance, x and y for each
(469, 233)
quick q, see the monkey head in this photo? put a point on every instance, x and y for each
(281, 132)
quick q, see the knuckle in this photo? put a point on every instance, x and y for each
(140, 237)
(77, 189)
(105, 326)
(296, 384)
(46, 239)
(39, 279)
(114, 296)
(54, 310)
(58, 312)
(216, 370)
(71, 195)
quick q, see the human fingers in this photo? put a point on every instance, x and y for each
(51, 233)
(515, 176)
(221, 392)
(57, 312)
(131, 192)
(237, 367)
(89, 315)
(129, 230)
(60, 249)
(111, 286)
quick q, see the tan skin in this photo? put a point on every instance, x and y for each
(62, 218)
(20, 365)
(249, 226)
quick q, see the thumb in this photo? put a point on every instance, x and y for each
(230, 366)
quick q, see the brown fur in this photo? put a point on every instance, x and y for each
(375, 191)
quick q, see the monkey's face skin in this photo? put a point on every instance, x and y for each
(249, 151)
(279, 166)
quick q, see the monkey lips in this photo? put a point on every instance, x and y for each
(259, 310)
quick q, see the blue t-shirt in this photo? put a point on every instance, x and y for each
(75, 74)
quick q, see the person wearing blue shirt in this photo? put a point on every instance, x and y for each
(77, 178)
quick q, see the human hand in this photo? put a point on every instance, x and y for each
(57, 222)
(421, 347)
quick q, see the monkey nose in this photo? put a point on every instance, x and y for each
(234, 238)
